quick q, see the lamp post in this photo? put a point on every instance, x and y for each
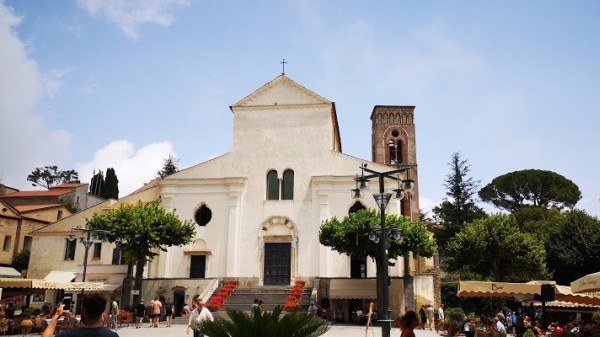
(382, 200)
(87, 237)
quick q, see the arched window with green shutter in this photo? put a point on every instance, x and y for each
(287, 190)
(272, 185)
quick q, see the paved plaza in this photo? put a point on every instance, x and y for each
(336, 330)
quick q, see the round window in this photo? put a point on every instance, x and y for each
(203, 215)
(395, 133)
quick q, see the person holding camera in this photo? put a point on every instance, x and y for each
(91, 320)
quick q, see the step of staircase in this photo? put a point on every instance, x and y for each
(242, 298)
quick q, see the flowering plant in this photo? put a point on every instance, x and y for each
(216, 302)
(293, 300)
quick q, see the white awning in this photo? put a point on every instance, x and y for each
(106, 288)
(353, 288)
(9, 272)
(60, 276)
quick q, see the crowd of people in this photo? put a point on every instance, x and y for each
(514, 323)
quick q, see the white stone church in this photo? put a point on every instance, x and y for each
(258, 208)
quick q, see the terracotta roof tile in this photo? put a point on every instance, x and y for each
(29, 208)
(33, 194)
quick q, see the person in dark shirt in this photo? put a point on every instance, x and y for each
(91, 320)
(140, 312)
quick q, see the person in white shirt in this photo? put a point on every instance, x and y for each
(440, 317)
(201, 313)
(500, 327)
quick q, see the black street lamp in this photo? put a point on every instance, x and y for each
(88, 237)
(381, 234)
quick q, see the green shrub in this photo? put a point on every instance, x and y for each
(269, 324)
(454, 318)
(596, 317)
(529, 333)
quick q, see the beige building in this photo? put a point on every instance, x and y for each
(17, 223)
(258, 208)
(74, 195)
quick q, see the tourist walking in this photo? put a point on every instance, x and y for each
(169, 311)
(430, 316)
(114, 313)
(156, 310)
(140, 313)
(423, 316)
(200, 314)
(441, 317)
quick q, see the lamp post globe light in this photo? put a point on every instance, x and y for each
(380, 234)
(87, 237)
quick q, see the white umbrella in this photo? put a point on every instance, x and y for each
(587, 284)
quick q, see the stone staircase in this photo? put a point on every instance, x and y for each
(242, 299)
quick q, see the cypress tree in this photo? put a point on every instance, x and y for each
(111, 185)
(97, 184)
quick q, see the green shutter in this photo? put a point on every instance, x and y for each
(287, 192)
(272, 186)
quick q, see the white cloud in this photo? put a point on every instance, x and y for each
(427, 205)
(53, 80)
(27, 141)
(134, 167)
(129, 15)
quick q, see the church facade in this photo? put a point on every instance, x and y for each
(258, 208)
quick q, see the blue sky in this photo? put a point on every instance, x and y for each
(94, 84)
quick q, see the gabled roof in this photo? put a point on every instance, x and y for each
(265, 95)
(285, 92)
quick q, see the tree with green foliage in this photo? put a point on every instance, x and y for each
(351, 237)
(49, 176)
(21, 261)
(169, 167)
(573, 250)
(537, 220)
(110, 190)
(269, 324)
(97, 184)
(139, 229)
(540, 188)
(497, 250)
(459, 207)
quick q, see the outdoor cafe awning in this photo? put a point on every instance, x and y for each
(43, 284)
(497, 289)
(353, 288)
(565, 294)
(523, 291)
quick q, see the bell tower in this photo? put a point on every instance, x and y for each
(393, 143)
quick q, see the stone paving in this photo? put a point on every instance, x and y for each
(337, 330)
